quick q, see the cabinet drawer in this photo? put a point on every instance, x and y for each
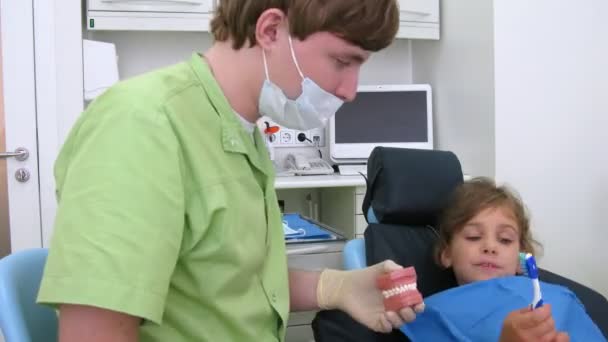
(360, 190)
(173, 6)
(299, 333)
(360, 224)
(301, 318)
(315, 261)
(315, 247)
(422, 11)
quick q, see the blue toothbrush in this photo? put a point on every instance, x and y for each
(529, 269)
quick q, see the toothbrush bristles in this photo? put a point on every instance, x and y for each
(522, 264)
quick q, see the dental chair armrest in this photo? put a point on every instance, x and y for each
(595, 304)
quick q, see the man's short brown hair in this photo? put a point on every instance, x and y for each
(369, 24)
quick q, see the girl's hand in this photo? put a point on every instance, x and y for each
(531, 325)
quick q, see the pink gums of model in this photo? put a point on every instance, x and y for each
(399, 289)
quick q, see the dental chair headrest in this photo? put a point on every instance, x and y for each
(409, 186)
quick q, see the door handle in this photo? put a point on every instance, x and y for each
(20, 154)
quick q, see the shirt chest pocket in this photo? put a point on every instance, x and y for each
(245, 228)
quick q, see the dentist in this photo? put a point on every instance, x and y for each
(168, 227)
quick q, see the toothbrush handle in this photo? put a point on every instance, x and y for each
(537, 301)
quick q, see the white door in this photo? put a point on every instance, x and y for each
(20, 226)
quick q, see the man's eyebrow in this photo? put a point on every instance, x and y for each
(353, 56)
(357, 57)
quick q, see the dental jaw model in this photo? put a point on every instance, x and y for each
(399, 289)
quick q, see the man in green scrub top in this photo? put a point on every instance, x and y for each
(168, 227)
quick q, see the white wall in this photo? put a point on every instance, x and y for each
(551, 119)
(143, 51)
(139, 52)
(460, 68)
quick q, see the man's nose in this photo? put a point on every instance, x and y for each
(347, 90)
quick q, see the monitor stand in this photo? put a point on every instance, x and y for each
(352, 169)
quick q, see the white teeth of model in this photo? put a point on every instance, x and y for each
(398, 290)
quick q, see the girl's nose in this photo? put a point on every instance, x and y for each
(489, 250)
(489, 247)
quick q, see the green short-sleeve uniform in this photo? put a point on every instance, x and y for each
(167, 211)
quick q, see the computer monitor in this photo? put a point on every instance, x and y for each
(382, 115)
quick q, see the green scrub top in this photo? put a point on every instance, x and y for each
(167, 211)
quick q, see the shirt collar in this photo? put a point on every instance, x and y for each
(235, 138)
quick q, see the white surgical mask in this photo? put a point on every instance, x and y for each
(312, 109)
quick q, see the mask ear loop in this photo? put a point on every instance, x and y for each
(293, 56)
(265, 64)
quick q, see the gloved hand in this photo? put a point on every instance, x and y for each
(355, 293)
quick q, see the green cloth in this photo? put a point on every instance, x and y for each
(167, 211)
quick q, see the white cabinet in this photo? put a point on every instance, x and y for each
(418, 19)
(310, 256)
(333, 200)
(299, 333)
(149, 15)
(172, 6)
(341, 210)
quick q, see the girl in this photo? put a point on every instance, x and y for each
(483, 229)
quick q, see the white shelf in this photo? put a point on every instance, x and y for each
(321, 181)
(148, 21)
(199, 22)
(409, 30)
(419, 18)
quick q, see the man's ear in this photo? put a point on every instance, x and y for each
(446, 258)
(267, 27)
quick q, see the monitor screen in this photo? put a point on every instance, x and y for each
(395, 116)
(383, 117)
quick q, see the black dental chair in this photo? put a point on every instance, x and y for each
(406, 190)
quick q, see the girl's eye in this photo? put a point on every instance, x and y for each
(506, 241)
(472, 238)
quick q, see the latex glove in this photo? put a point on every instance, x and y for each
(355, 293)
(531, 325)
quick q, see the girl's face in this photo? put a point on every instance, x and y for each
(486, 247)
